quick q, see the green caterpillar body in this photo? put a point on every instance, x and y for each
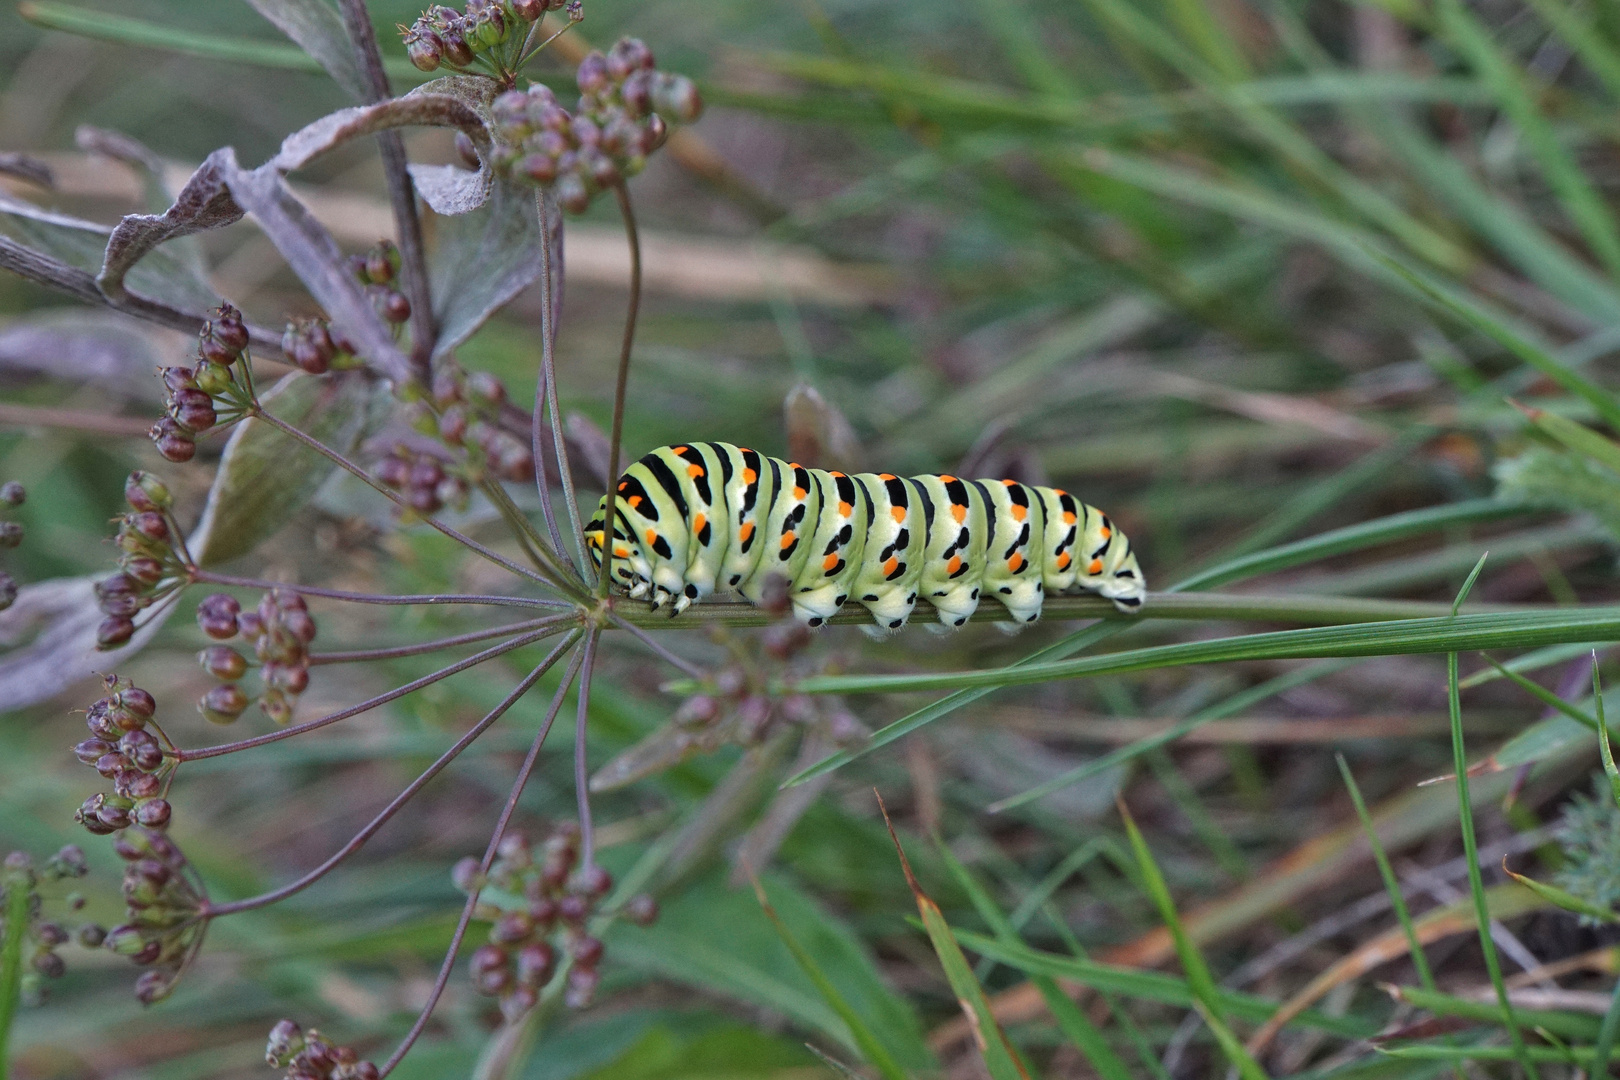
(693, 519)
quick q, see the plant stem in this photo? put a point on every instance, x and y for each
(582, 792)
(370, 703)
(355, 470)
(11, 951)
(376, 823)
(664, 654)
(398, 651)
(549, 559)
(548, 342)
(401, 192)
(424, 599)
(483, 867)
(549, 317)
(632, 309)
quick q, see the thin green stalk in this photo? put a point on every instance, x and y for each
(1420, 960)
(1548, 698)
(11, 952)
(620, 386)
(1604, 748)
(1606, 1035)
(1465, 816)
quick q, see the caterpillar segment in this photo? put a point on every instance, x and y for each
(700, 518)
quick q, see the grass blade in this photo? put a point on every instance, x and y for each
(1604, 748)
(1420, 959)
(999, 1056)
(1561, 898)
(11, 954)
(1546, 697)
(871, 1048)
(1199, 980)
(1071, 1020)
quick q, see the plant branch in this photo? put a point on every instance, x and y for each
(398, 651)
(483, 867)
(548, 343)
(460, 538)
(631, 310)
(664, 654)
(401, 192)
(38, 267)
(369, 703)
(376, 823)
(582, 791)
(208, 577)
(549, 559)
(12, 415)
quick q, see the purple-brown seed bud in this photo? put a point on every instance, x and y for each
(230, 329)
(143, 491)
(153, 813)
(641, 909)
(424, 48)
(137, 701)
(222, 662)
(114, 631)
(173, 441)
(582, 983)
(144, 569)
(223, 704)
(91, 750)
(592, 75)
(535, 963)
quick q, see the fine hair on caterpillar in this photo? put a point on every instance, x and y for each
(698, 518)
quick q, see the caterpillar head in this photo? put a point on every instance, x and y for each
(627, 560)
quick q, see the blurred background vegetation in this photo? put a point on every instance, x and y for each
(1239, 271)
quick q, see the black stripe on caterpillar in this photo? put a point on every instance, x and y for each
(705, 517)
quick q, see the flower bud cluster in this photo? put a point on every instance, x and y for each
(151, 563)
(461, 412)
(163, 912)
(42, 937)
(11, 534)
(553, 898)
(489, 33)
(279, 630)
(313, 1056)
(123, 750)
(312, 344)
(378, 270)
(214, 393)
(624, 109)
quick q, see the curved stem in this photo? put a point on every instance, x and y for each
(632, 309)
(369, 704)
(275, 896)
(548, 343)
(489, 857)
(398, 651)
(547, 558)
(355, 470)
(425, 599)
(582, 791)
(549, 317)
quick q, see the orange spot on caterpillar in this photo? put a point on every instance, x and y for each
(1059, 491)
(623, 484)
(835, 473)
(892, 565)
(679, 449)
(787, 540)
(750, 476)
(697, 524)
(694, 470)
(621, 553)
(844, 509)
(800, 494)
(652, 537)
(1019, 513)
(1010, 483)
(635, 501)
(898, 513)
(946, 478)
(1015, 562)
(958, 512)
(746, 531)
(829, 564)
(1107, 532)
(1068, 519)
(955, 564)
(1095, 567)
(1063, 561)
(885, 476)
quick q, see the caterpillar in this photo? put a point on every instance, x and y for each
(693, 519)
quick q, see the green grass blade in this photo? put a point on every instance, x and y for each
(1199, 980)
(1468, 585)
(1565, 1024)
(11, 954)
(1071, 1020)
(999, 1056)
(870, 1046)
(1547, 697)
(1219, 711)
(1530, 661)
(1562, 898)
(1586, 39)
(1576, 436)
(1392, 887)
(1476, 885)
(105, 26)
(1513, 93)
(1604, 748)
(1460, 633)
(1606, 1035)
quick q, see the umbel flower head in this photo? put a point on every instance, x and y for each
(623, 114)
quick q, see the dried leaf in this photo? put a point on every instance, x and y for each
(132, 152)
(27, 168)
(90, 348)
(317, 28)
(265, 475)
(204, 203)
(416, 109)
(818, 432)
(485, 258)
(62, 615)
